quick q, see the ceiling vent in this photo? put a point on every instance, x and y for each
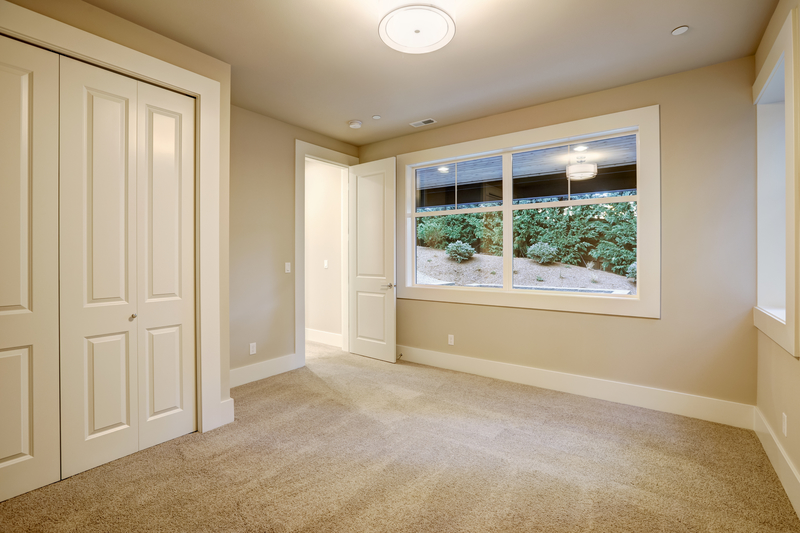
(424, 122)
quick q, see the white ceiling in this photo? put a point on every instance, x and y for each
(320, 63)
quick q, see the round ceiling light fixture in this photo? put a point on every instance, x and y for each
(417, 29)
(355, 124)
(680, 30)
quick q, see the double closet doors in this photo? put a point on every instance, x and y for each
(97, 291)
(127, 266)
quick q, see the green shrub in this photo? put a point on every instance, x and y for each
(542, 253)
(459, 251)
(482, 231)
(632, 271)
(431, 233)
(605, 233)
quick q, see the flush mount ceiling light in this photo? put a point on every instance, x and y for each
(355, 124)
(417, 29)
(680, 30)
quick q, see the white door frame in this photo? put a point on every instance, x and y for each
(31, 27)
(305, 150)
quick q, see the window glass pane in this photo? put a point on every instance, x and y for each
(463, 250)
(480, 182)
(436, 188)
(579, 248)
(541, 175)
(616, 168)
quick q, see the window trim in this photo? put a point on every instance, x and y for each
(783, 331)
(647, 303)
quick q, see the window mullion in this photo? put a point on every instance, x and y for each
(508, 223)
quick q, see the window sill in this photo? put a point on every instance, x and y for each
(617, 305)
(769, 322)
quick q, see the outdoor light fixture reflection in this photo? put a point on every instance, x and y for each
(580, 170)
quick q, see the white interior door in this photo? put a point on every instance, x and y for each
(165, 259)
(99, 371)
(372, 260)
(29, 450)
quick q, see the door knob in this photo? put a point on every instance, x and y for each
(389, 286)
(134, 315)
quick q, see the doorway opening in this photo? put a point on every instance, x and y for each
(326, 253)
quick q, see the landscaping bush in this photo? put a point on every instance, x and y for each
(605, 233)
(482, 231)
(542, 253)
(431, 233)
(632, 271)
(459, 251)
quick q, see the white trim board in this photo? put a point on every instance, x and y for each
(787, 473)
(265, 369)
(324, 337)
(723, 412)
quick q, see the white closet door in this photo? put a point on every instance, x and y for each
(165, 265)
(29, 455)
(99, 371)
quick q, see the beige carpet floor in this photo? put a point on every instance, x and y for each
(348, 444)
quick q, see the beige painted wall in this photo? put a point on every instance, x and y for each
(262, 233)
(705, 342)
(323, 242)
(103, 24)
(778, 371)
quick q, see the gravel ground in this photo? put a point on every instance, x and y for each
(434, 265)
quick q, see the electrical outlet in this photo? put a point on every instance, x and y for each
(252, 348)
(784, 424)
(288, 268)
(325, 263)
(451, 340)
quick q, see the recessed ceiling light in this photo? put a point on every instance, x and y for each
(581, 148)
(355, 124)
(680, 30)
(376, 117)
(443, 170)
(417, 29)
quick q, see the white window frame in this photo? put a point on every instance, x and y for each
(645, 122)
(780, 329)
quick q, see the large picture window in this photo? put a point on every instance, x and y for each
(568, 222)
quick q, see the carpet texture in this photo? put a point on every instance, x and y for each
(348, 444)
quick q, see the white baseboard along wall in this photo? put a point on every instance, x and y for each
(786, 470)
(265, 369)
(720, 411)
(324, 337)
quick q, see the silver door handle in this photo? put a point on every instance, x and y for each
(385, 287)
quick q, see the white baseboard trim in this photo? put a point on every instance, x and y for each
(265, 369)
(711, 409)
(781, 462)
(324, 337)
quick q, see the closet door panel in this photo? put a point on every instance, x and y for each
(99, 371)
(29, 453)
(166, 265)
